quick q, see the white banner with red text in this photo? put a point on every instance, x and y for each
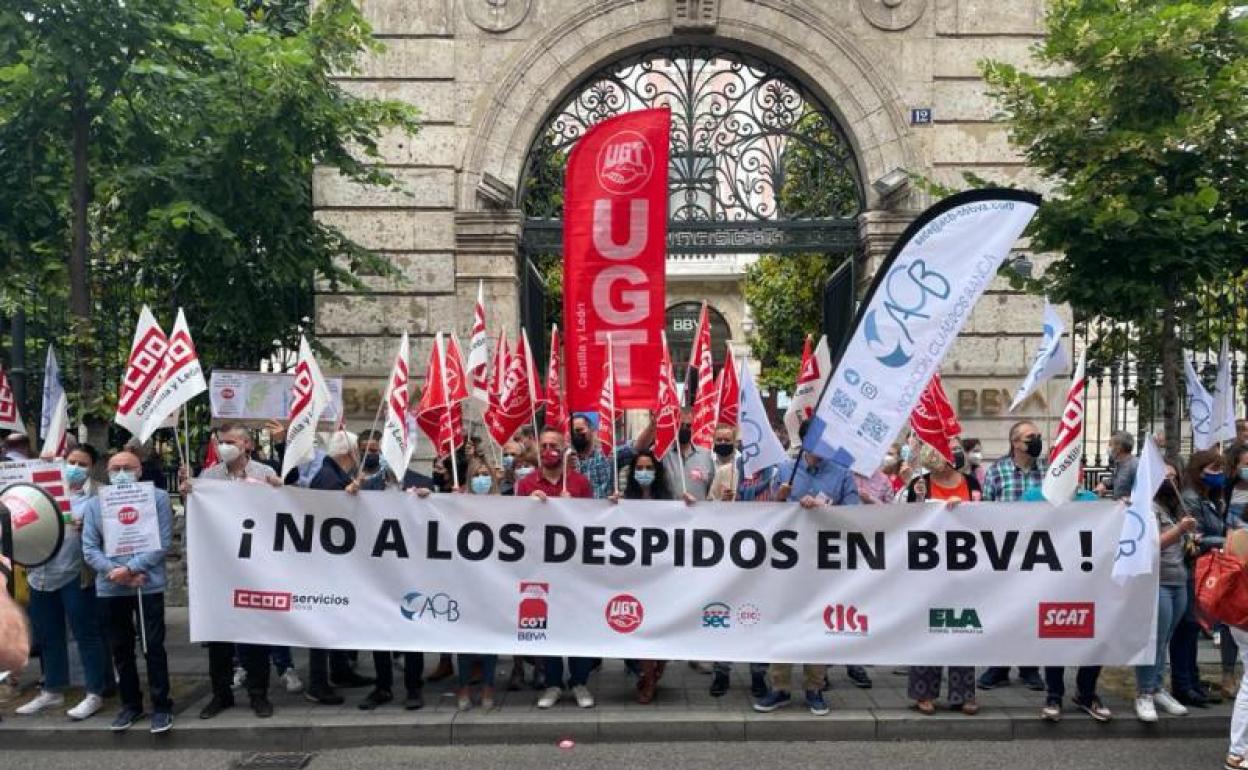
(982, 584)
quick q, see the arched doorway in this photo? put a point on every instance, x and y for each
(758, 164)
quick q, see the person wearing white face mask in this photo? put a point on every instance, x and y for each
(116, 581)
(56, 593)
(974, 450)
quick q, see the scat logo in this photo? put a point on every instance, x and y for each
(907, 289)
(625, 163)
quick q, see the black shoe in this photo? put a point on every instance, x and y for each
(987, 681)
(374, 699)
(125, 719)
(1034, 682)
(415, 701)
(325, 697)
(1192, 698)
(216, 706)
(261, 706)
(350, 680)
(858, 675)
(1209, 691)
(758, 685)
(719, 684)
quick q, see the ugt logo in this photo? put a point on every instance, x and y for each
(625, 163)
(907, 290)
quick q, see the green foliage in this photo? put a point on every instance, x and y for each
(207, 118)
(785, 293)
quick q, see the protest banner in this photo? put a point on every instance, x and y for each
(48, 474)
(984, 583)
(253, 398)
(128, 519)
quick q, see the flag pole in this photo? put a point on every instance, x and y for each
(446, 402)
(615, 454)
(138, 592)
(530, 375)
(697, 335)
(680, 459)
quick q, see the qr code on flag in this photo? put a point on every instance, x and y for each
(842, 404)
(873, 428)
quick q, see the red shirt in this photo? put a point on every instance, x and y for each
(578, 485)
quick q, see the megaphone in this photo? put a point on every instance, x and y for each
(31, 526)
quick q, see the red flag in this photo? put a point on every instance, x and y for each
(524, 351)
(934, 420)
(728, 392)
(211, 457)
(614, 246)
(702, 366)
(667, 419)
(608, 410)
(438, 415)
(498, 373)
(515, 399)
(556, 410)
(456, 380)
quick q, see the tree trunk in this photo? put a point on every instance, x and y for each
(79, 288)
(1171, 361)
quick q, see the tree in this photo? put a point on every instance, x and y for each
(188, 131)
(1140, 132)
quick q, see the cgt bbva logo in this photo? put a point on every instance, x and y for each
(716, 615)
(625, 163)
(531, 624)
(845, 620)
(625, 613)
(907, 290)
(439, 606)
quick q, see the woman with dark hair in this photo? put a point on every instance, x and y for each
(974, 450)
(1204, 497)
(647, 480)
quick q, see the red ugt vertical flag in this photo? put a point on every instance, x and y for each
(934, 420)
(614, 246)
(556, 410)
(667, 420)
(702, 367)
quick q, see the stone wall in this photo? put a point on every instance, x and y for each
(486, 73)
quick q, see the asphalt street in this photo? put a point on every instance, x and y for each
(1161, 754)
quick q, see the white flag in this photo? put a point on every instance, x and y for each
(759, 446)
(181, 379)
(810, 380)
(479, 351)
(1200, 408)
(396, 435)
(143, 373)
(1051, 358)
(1139, 543)
(309, 397)
(1224, 397)
(1061, 480)
(54, 421)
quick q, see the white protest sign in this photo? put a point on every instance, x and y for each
(128, 519)
(43, 473)
(259, 396)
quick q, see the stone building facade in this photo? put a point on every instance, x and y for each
(900, 77)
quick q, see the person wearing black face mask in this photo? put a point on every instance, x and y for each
(373, 474)
(1006, 481)
(591, 462)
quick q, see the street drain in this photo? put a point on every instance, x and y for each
(274, 760)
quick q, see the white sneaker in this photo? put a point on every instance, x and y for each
(1169, 704)
(583, 698)
(1145, 711)
(86, 707)
(240, 677)
(549, 697)
(40, 702)
(292, 681)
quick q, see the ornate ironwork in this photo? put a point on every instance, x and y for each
(545, 236)
(748, 142)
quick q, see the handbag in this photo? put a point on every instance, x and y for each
(1222, 589)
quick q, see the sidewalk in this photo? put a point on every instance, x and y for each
(683, 711)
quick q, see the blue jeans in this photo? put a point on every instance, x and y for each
(1171, 604)
(463, 667)
(578, 671)
(48, 610)
(1184, 642)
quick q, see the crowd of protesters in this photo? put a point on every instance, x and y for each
(1200, 502)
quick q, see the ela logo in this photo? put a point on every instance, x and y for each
(625, 613)
(941, 620)
(531, 625)
(1067, 620)
(716, 615)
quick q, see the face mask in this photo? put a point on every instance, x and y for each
(76, 475)
(1243, 473)
(508, 461)
(685, 435)
(644, 476)
(523, 470)
(551, 458)
(1213, 480)
(228, 453)
(580, 441)
(959, 459)
(372, 463)
(977, 457)
(121, 477)
(723, 449)
(481, 485)
(905, 453)
(1034, 446)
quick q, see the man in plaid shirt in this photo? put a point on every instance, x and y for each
(1006, 481)
(590, 460)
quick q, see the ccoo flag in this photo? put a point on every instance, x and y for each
(1051, 359)
(1061, 480)
(479, 350)
(309, 397)
(10, 417)
(181, 379)
(921, 297)
(142, 376)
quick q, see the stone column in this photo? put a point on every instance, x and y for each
(878, 230)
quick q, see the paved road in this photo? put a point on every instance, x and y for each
(1158, 754)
